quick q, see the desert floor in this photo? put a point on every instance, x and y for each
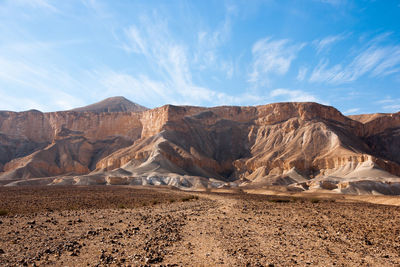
(122, 226)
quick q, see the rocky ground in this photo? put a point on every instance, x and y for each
(122, 226)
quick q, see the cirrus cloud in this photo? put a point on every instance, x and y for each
(272, 57)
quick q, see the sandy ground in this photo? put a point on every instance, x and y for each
(327, 195)
(121, 226)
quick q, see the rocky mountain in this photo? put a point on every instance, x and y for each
(302, 146)
(113, 104)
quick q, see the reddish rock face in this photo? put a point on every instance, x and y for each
(226, 143)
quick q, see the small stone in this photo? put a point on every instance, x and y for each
(368, 242)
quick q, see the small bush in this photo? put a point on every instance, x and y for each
(121, 206)
(315, 200)
(3, 212)
(188, 198)
(171, 200)
(154, 202)
(280, 200)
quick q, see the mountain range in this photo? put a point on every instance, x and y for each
(300, 146)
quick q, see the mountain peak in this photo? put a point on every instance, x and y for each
(112, 104)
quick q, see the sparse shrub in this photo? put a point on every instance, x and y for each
(171, 200)
(3, 212)
(154, 202)
(184, 199)
(121, 206)
(279, 200)
(188, 198)
(315, 200)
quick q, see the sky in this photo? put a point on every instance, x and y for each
(57, 55)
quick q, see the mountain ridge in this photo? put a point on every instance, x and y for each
(291, 143)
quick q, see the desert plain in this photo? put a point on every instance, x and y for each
(162, 226)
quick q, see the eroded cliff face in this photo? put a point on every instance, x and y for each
(382, 123)
(382, 134)
(72, 155)
(36, 144)
(278, 143)
(43, 127)
(236, 142)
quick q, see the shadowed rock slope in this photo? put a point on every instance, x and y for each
(304, 146)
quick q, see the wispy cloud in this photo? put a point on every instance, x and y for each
(43, 4)
(172, 60)
(209, 42)
(325, 43)
(332, 2)
(374, 60)
(390, 104)
(98, 7)
(32, 47)
(18, 103)
(272, 57)
(293, 95)
(392, 108)
(135, 42)
(51, 82)
(387, 100)
(301, 75)
(351, 111)
(152, 93)
(140, 89)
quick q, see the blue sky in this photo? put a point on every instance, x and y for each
(56, 55)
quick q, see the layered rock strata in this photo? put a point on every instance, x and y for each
(282, 143)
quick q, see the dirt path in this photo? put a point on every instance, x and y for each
(202, 240)
(231, 231)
